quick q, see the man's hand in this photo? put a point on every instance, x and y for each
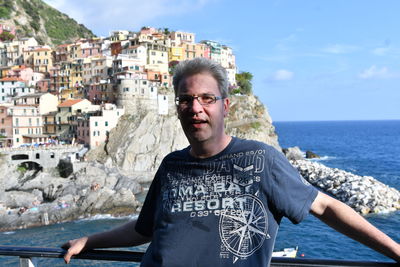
(74, 247)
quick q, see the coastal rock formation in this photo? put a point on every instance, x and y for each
(141, 140)
(363, 193)
(293, 153)
(311, 155)
(46, 198)
(108, 182)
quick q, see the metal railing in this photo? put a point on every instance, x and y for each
(27, 253)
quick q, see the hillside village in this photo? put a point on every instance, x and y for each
(76, 92)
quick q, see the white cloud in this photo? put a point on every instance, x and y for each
(380, 51)
(282, 75)
(103, 16)
(374, 72)
(340, 49)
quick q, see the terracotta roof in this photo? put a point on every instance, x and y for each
(69, 103)
(11, 79)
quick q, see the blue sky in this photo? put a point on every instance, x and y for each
(311, 59)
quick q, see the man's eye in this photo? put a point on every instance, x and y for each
(207, 98)
(185, 99)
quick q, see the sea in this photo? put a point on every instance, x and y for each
(370, 148)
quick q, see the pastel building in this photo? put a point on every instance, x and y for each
(39, 58)
(93, 128)
(6, 129)
(26, 125)
(136, 51)
(11, 87)
(135, 91)
(45, 102)
(125, 62)
(215, 50)
(75, 51)
(157, 57)
(91, 48)
(175, 54)
(12, 53)
(66, 126)
(50, 124)
(202, 50)
(119, 35)
(179, 37)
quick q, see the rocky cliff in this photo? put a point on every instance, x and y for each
(110, 180)
(34, 18)
(141, 140)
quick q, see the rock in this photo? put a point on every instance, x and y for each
(65, 168)
(18, 199)
(92, 190)
(363, 193)
(311, 155)
(293, 153)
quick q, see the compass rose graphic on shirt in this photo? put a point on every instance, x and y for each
(243, 228)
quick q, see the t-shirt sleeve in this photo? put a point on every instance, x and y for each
(145, 221)
(292, 196)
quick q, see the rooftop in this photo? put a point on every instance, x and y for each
(69, 103)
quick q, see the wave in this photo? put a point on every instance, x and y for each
(8, 233)
(323, 158)
(98, 217)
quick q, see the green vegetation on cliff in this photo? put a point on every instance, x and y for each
(37, 19)
(6, 7)
(243, 80)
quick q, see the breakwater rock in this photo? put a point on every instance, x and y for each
(363, 193)
(41, 198)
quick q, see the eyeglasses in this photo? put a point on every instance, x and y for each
(184, 101)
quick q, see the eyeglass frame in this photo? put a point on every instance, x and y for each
(197, 97)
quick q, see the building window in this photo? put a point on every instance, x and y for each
(95, 123)
(106, 123)
(37, 156)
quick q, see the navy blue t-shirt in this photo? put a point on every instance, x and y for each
(224, 210)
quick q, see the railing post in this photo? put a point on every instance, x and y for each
(27, 262)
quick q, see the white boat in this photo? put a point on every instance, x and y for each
(287, 253)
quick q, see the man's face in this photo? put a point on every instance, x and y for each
(202, 123)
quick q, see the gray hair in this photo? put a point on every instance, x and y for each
(198, 65)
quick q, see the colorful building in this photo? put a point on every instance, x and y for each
(93, 128)
(12, 87)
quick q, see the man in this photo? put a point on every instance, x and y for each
(219, 201)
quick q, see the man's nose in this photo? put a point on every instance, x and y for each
(195, 106)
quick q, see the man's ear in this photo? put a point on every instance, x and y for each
(226, 106)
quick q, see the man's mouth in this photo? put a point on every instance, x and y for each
(198, 123)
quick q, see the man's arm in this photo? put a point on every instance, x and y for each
(123, 236)
(344, 219)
